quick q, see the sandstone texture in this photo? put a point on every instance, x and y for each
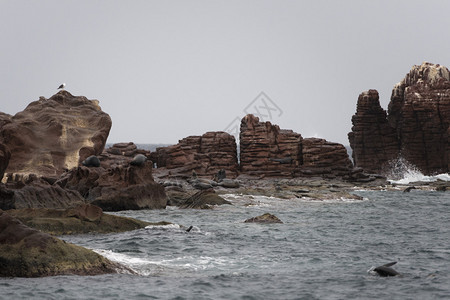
(267, 150)
(373, 140)
(416, 126)
(205, 155)
(26, 252)
(203, 200)
(54, 134)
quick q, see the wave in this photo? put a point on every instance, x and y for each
(403, 172)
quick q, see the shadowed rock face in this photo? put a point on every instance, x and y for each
(26, 252)
(4, 159)
(54, 134)
(373, 140)
(417, 126)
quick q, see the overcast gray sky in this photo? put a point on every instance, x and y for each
(164, 70)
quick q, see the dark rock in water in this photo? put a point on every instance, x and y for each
(441, 188)
(138, 160)
(386, 270)
(204, 200)
(26, 252)
(265, 218)
(203, 184)
(408, 189)
(51, 135)
(91, 161)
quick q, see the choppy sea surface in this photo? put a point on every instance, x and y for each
(324, 250)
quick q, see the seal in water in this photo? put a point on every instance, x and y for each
(91, 161)
(138, 160)
(386, 270)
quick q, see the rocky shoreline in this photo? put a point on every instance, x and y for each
(57, 177)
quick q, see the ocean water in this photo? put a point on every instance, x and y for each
(324, 250)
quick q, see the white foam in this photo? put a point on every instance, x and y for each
(403, 172)
(168, 227)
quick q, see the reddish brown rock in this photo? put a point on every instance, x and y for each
(269, 151)
(265, 149)
(264, 219)
(326, 159)
(206, 155)
(373, 140)
(54, 134)
(419, 116)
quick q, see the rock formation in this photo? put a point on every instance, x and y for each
(205, 155)
(4, 160)
(116, 186)
(269, 151)
(26, 252)
(54, 134)
(373, 141)
(264, 219)
(81, 219)
(417, 126)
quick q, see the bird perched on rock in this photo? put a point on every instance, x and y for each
(62, 86)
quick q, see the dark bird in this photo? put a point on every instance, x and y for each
(62, 86)
(386, 270)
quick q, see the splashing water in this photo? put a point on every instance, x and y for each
(402, 171)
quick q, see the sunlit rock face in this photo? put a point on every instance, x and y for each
(417, 123)
(54, 134)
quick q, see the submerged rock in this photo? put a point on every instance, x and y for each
(26, 252)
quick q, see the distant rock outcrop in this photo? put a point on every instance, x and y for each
(26, 252)
(268, 150)
(264, 219)
(417, 125)
(205, 155)
(265, 149)
(54, 134)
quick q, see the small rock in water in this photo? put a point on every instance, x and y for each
(265, 218)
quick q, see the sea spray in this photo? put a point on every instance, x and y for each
(402, 171)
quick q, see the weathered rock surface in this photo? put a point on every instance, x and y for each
(416, 126)
(122, 187)
(81, 219)
(267, 150)
(26, 252)
(54, 134)
(265, 219)
(373, 141)
(206, 155)
(29, 191)
(204, 200)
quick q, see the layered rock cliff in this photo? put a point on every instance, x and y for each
(416, 126)
(270, 151)
(54, 134)
(205, 155)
